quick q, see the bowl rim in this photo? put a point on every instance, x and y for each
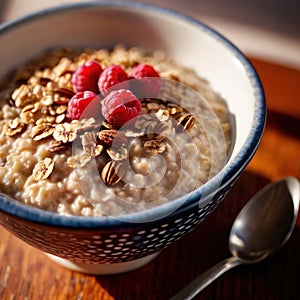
(209, 189)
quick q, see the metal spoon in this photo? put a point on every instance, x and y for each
(262, 227)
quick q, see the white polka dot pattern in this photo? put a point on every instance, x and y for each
(112, 245)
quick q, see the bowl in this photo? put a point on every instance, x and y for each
(107, 245)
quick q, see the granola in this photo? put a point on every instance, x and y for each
(79, 167)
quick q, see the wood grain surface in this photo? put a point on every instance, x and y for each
(26, 273)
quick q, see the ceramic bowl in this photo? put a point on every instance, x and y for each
(105, 245)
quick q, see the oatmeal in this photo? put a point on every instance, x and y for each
(142, 130)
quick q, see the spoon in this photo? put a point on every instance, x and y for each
(262, 227)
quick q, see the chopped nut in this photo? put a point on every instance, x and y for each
(60, 118)
(51, 85)
(44, 81)
(55, 146)
(112, 137)
(61, 109)
(78, 161)
(65, 133)
(12, 127)
(107, 125)
(38, 91)
(185, 122)
(31, 112)
(43, 169)
(65, 93)
(174, 108)
(27, 114)
(97, 151)
(52, 111)
(21, 96)
(162, 115)
(47, 100)
(66, 72)
(41, 131)
(60, 100)
(57, 110)
(112, 172)
(45, 119)
(155, 146)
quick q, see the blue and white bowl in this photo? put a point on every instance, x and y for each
(104, 245)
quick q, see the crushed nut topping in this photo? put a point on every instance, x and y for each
(174, 109)
(64, 93)
(162, 115)
(112, 137)
(13, 127)
(43, 169)
(65, 133)
(112, 172)
(185, 122)
(43, 104)
(155, 147)
(55, 146)
(23, 96)
(60, 118)
(41, 131)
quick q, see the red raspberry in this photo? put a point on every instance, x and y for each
(84, 105)
(112, 75)
(85, 78)
(120, 106)
(147, 83)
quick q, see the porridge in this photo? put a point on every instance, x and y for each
(140, 131)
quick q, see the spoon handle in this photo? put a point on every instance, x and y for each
(203, 280)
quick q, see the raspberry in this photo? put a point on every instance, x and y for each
(83, 105)
(147, 83)
(111, 76)
(120, 106)
(85, 78)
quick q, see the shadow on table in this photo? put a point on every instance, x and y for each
(284, 123)
(176, 266)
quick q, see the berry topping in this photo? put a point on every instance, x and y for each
(112, 75)
(120, 106)
(86, 76)
(148, 83)
(83, 105)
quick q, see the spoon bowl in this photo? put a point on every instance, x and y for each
(266, 222)
(262, 227)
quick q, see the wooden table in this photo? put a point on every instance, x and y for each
(26, 273)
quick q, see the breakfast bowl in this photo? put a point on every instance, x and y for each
(115, 241)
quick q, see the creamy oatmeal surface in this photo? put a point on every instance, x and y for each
(87, 166)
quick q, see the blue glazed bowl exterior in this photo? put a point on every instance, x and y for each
(116, 244)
